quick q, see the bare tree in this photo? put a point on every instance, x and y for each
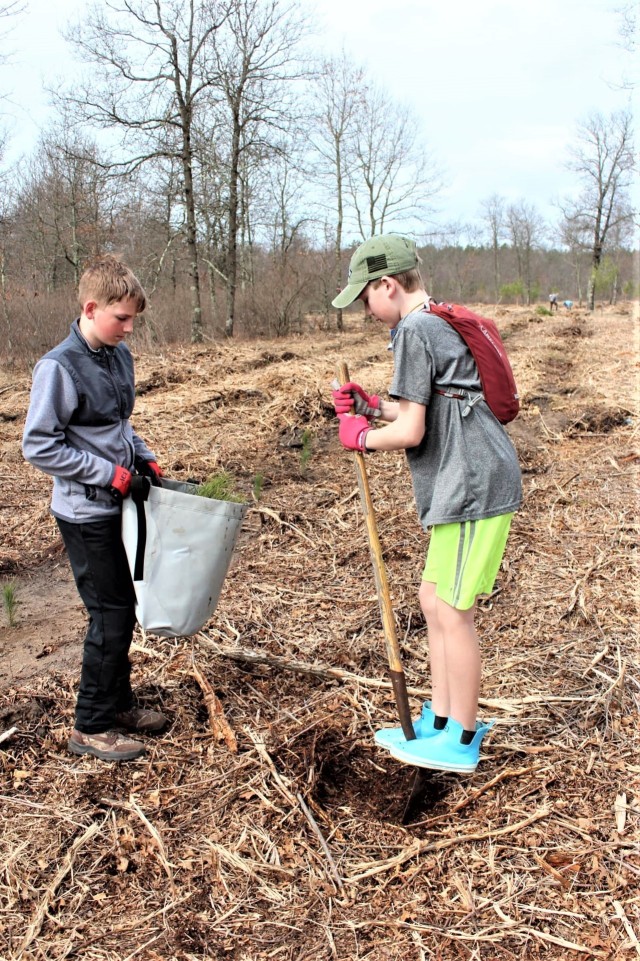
(628, 26)
(572, 242)
(334, 107)
(257, 59)
(604, 161)
(79, 206)
(66, 205)
(162, 223)
(628, 39)
(494, 216)
(392, 177)
(526, 231)
(211, 205)
(7, 11)
(152, 66)
(368, 161)
(280, 306)
(7, 242)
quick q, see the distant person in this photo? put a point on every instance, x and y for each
(78, 430)
(553, 302)
(568, 304)
(466, 483)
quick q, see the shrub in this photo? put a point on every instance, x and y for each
(513, 291)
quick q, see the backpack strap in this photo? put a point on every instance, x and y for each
(471, 397)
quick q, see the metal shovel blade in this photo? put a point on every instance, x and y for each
(417, 796)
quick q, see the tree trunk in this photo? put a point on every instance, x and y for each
(5, 308)
(591, 290)
(192, 246)
(75, 246)
(496, 270)
(232, 237)
(338, 258)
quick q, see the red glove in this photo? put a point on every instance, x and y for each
(353, 431)
(352, 397)
(120, 484)
(150, 469)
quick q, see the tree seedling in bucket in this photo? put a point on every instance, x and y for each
(220, 487)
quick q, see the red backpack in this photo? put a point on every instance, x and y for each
(483, 340)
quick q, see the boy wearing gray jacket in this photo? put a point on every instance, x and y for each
(78, 430)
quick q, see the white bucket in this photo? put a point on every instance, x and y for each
(179, 547)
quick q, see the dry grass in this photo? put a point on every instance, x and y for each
(286, 841)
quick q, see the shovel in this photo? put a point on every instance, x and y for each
(396, 673)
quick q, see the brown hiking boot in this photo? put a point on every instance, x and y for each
(141, 719)
(108, 745)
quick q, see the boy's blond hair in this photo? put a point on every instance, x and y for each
(108, 280)
(409, 280)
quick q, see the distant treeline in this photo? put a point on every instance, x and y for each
(234, 170)
(280, 291)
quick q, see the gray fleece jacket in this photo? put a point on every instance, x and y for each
(77, 427)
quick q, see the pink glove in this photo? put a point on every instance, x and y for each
(352, 431)
(352, 397)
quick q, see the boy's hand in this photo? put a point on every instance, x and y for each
(150, 469)
(155, 472)
(353, 431)
(352, 396)
(120, 484)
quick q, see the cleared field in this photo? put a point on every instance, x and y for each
(293, 846)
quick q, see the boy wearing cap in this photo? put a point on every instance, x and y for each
(78, 430)
(466, 482)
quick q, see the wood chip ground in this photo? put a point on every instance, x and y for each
(292, 846)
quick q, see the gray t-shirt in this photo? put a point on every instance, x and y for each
(465, 468)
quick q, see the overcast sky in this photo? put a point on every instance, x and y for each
(497, 87)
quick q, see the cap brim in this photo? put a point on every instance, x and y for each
(347, 296)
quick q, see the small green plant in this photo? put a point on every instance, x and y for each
(543, 311)
(219, 487)
(10, 602)
(258, 485)
(307, 449)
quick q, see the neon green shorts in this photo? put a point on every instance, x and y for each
(463, 559)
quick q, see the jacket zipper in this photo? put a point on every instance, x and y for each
(127, 445)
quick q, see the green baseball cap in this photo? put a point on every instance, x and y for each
(380, 256)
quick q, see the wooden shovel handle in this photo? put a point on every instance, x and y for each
(396, 673)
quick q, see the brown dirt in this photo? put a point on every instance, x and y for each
(50, 625)
(199, 852)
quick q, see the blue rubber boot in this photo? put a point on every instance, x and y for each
(423, 727)
(443, 752)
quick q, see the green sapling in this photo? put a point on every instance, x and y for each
(10, 602)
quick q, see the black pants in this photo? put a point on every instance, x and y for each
(101, 572)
